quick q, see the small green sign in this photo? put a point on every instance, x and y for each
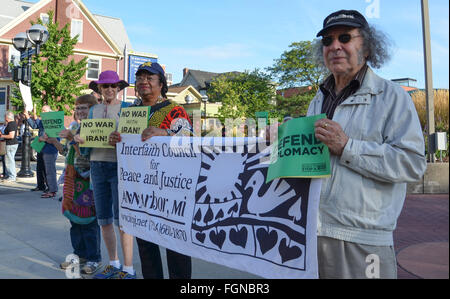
(262, 114)
(53, 123)
(37, 145)
(298, 153)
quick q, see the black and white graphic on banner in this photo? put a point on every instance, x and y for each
(242, 217)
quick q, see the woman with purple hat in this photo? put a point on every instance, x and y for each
(104, 180)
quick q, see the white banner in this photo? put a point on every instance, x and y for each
(208, 199)
(25, 91)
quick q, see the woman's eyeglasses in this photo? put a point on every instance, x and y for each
(109, 85)
(343, 38)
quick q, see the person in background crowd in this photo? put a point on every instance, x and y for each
(105, 181)
(2, 157)
(166, 119)
(97, 96)
(12, 144)
(49, 156)
(376, 145)
(41, 177)
(20, 120)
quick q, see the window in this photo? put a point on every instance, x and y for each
(44, 18)
(2, 104)
(14, 57)
(2, 95)
(76, 28)
(169, 79)
(93, 68)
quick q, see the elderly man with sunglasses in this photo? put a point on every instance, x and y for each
(376, 145)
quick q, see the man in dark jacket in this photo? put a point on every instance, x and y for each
(36, 123)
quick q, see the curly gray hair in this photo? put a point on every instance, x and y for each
(375, 51)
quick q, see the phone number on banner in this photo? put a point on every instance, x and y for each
(165, 229)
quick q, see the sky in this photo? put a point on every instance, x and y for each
(238, 35)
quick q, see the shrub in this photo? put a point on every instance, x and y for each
(441, 112)
(441, 100)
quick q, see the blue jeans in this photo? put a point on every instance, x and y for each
(50, 171)
(86, 241)
(10, 162)
(3, 165)
(106, 194)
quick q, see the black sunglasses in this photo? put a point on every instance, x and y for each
(109, 85)
(343, 38)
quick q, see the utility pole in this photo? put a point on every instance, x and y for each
(125, 71)
(428, 82)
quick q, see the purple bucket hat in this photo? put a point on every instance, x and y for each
(108, 77)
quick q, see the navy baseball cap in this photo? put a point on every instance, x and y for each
(351, 18)
(151, 67)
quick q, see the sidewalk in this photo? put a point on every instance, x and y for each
(34, 237)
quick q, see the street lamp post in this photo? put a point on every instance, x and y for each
(37, 35)
(204, 100)
(428, 81)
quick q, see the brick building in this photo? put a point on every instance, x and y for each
(102, 39)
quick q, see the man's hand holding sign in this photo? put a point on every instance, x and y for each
(332, 135)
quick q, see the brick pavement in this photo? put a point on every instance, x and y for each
(424, 220)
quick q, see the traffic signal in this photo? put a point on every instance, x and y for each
(17, 73)
(21, 73)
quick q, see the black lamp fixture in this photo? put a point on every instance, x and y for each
(21, 42)
(23, 45)
(36, 36)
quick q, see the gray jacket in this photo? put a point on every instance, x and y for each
(364, 196)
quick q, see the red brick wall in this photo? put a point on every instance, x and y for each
(4, 56)
(92, 39)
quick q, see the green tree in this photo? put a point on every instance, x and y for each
(294, 106)
(55, 78)
(243, 94)
(296, 67)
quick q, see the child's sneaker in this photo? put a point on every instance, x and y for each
(90, 268)
(126, 275)
(65, 265)
(108, 273)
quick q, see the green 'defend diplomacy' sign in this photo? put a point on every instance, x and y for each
(53, 123)
(297, 153)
